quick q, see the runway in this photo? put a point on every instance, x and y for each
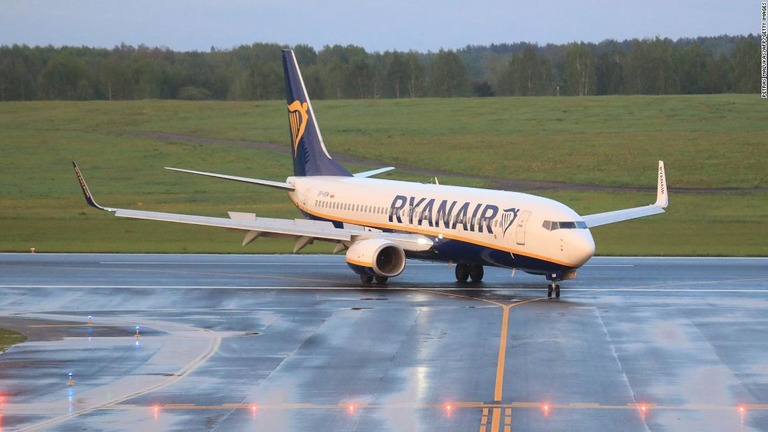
(292, 342)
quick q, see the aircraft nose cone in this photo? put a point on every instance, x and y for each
(581, 247)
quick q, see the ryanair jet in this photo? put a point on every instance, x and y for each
(380, 223)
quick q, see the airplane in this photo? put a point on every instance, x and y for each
(380, 222)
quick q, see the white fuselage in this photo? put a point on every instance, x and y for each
(513, 223)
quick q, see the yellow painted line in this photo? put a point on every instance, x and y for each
(495, 419)
(501, 362)
(502, 356)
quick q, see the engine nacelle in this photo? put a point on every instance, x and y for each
(376, 257)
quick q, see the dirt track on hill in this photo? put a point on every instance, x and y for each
(494, 182)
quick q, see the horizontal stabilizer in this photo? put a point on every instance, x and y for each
(372, 173)
(270, 183)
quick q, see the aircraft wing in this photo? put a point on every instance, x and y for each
(662, 201)
(302, 230)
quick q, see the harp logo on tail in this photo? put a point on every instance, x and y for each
(297, 115)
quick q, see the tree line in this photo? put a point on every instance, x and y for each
(722, 64)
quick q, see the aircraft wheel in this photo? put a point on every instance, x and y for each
(381, 280)
(549, 291)
(476, 272)
(366, 279)
(462, 272)
(557, 291)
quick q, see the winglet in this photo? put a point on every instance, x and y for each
(87, 192)
(662, 197)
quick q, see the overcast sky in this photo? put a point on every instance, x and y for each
(422, 25)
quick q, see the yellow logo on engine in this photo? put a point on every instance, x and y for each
(297, 115)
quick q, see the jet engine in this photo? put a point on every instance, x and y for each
(376, 257)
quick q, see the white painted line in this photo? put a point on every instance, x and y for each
(222, 263)
(386, 288)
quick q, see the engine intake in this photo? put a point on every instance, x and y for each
(377, 257)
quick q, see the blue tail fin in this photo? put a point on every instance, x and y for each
(310, 157)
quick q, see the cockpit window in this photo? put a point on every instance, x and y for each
(552, 226)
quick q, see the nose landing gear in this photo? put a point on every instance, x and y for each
(553, 287)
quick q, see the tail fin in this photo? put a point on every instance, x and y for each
(310, 157)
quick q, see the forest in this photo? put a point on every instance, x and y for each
(653, 66)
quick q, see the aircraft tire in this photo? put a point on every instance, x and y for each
(476, 272)
(381, 280)
(366, 279)
(462, 272)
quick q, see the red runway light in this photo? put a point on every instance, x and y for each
(643, 410)
(545, 409)
(742, 408)
(351, 408)
(155, 411)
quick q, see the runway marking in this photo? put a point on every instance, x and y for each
(486, 408)
(443, 290)
(340, 263)
(77, 325)
(497, 392)
(502, 356)
(484, 420)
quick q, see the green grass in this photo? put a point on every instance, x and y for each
(706, 142)
(9, 338)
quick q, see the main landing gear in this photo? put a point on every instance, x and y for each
(368, 279)
(466, 271)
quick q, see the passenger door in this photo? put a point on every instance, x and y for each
(522, 221)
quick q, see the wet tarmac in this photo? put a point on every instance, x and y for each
(242, 342)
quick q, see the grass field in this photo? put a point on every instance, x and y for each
(9, 338)
(714, 147)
